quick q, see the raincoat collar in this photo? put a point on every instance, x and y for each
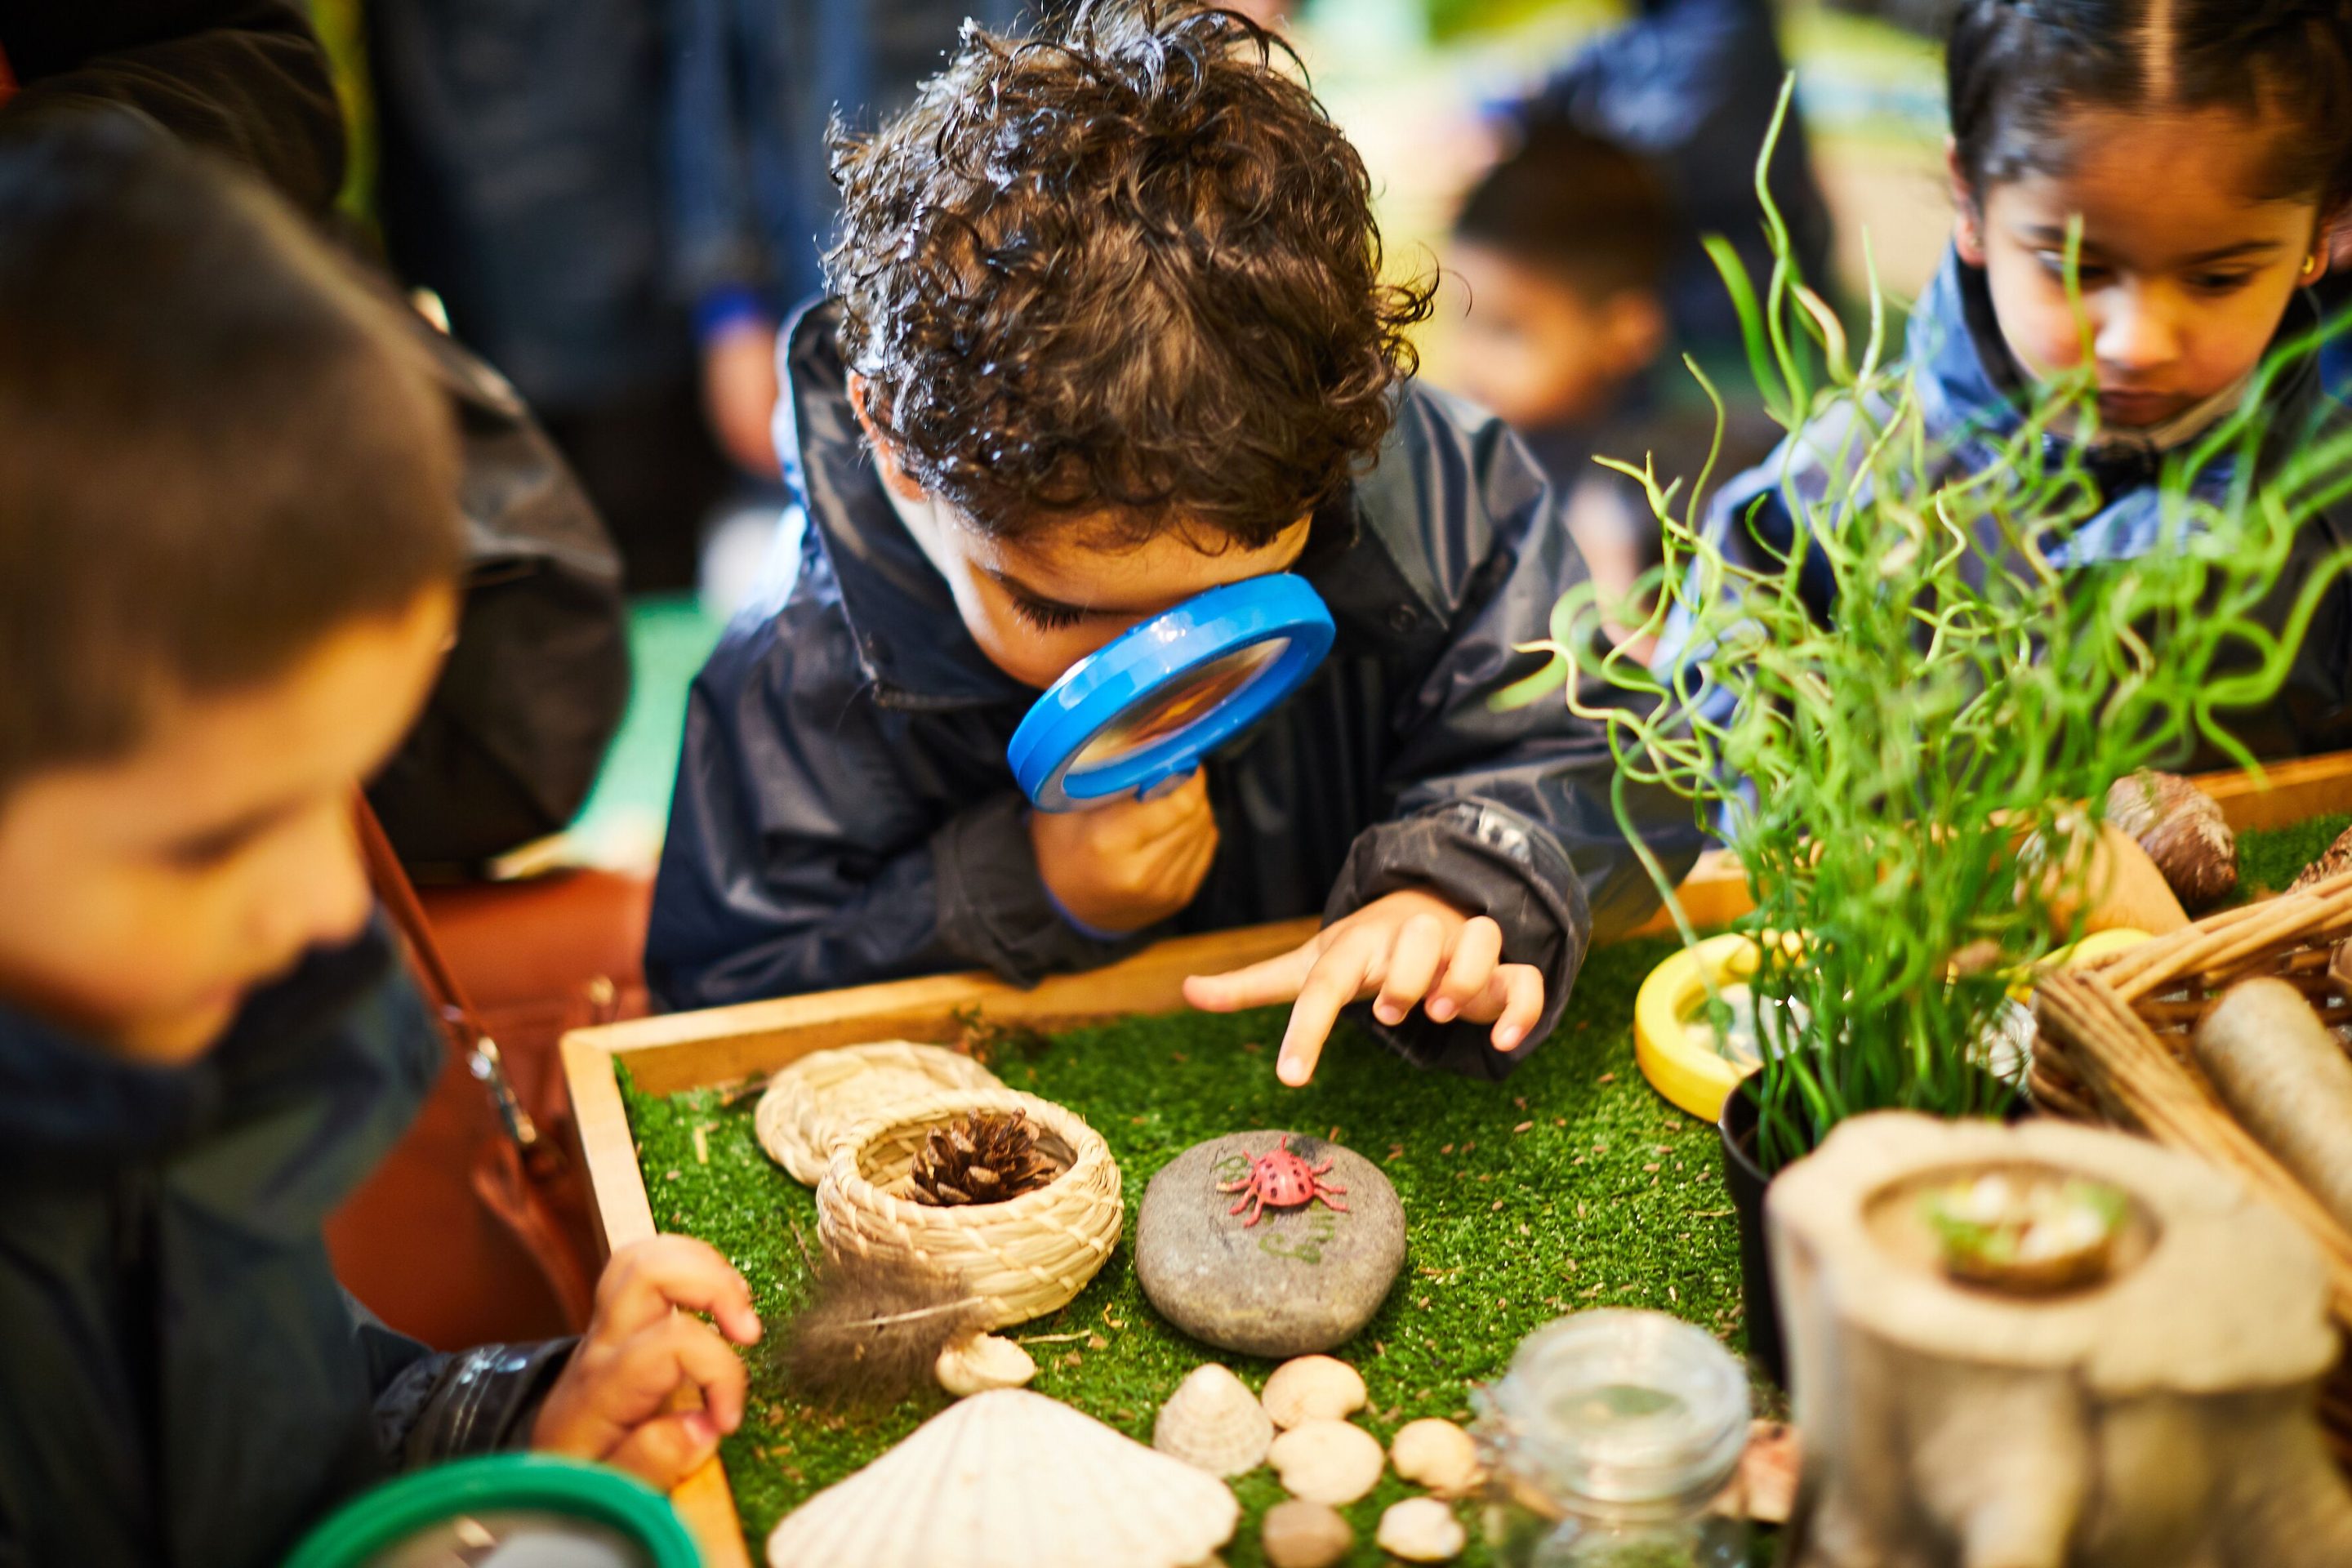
(910, 641)
(65, 1101)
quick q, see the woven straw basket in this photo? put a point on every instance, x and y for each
(2114, 1049)
(810, 1104)
(1024, 1257)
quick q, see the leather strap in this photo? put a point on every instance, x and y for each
(515, 1175)
(398, 895)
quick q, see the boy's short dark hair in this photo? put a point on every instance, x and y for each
(217, 445)
(1126, 271)
(1576, 205)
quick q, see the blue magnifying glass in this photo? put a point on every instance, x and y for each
(1139, 713)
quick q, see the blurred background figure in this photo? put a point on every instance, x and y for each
(519, 179)
(1692, 85)
(1561, 248)
(751, 86)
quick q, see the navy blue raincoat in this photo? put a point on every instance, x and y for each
(844, 813)
(1970, 390)
(184, 1383)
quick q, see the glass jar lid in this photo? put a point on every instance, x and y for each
(1622, 1408)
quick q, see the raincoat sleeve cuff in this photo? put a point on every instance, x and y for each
(474, 1402)
(1485, 860)
(994, 908)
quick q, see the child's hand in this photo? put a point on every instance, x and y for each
(1407, 947)
(617, 1402)
(1120, 867)
(740, 392)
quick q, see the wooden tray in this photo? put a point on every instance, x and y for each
(727, 1045)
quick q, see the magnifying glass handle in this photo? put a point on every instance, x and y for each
(1166, 786)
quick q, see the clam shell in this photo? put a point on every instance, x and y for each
(1421, 1530)
(982, 1362)
(1012, 1479)
(1313, 1388)
(1435, 1454)
(812, 1103)
(1301, 1534)
(1328, 1461)
(1213, 1423)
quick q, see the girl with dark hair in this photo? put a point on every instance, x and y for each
(2204, 149)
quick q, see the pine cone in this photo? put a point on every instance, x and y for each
(2336, 860)
(2183, 832)
(984, 1158)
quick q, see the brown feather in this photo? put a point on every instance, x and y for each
(872, 1329)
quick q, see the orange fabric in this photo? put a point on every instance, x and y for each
(451, 1239)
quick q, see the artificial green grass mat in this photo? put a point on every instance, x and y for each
(2270, 858)
(1570, 1185)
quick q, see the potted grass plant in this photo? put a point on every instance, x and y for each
(1904, 714)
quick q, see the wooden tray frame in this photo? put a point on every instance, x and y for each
(727, 1045)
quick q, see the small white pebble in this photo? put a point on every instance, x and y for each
(1313, 1388)
(1421, 1530)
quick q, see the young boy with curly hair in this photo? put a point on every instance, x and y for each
(227, 562)
(1108, 329)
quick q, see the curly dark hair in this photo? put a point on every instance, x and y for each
(1125, 272)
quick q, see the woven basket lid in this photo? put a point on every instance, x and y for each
(810, 1104)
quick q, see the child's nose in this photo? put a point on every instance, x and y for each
(322, 897)
(2137, 332)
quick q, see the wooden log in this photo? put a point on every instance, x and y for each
(2284, 1075)
(2161, 1418)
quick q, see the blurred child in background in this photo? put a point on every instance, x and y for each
(1691, 84)
(1563, 248)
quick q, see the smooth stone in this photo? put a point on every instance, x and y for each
(1301, 1279)
(1301, 1534)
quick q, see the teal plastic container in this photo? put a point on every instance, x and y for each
(510, 1510)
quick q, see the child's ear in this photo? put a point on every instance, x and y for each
(1968, 216)
(885, 456)
(1635, 323)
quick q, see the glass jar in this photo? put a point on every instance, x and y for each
(1613, 1442)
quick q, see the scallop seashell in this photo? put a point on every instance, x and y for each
(1301, 1534)
(982, 1362)
(1313, 1388)
(1328, 1461)
(1437, 1454)
(1421, 1530)
(812, 1103)
(1213, 1423)
(1010, 1478)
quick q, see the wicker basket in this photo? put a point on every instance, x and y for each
(2114, 1049)
(1024, 1257)
(810, 1105)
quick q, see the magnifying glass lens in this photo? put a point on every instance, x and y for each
(512, 1538)
(1167, 709)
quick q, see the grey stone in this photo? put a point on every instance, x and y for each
(1301, 1279)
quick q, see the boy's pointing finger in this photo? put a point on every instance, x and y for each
(1260, 985)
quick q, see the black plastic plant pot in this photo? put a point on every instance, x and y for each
(1744, 1177)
